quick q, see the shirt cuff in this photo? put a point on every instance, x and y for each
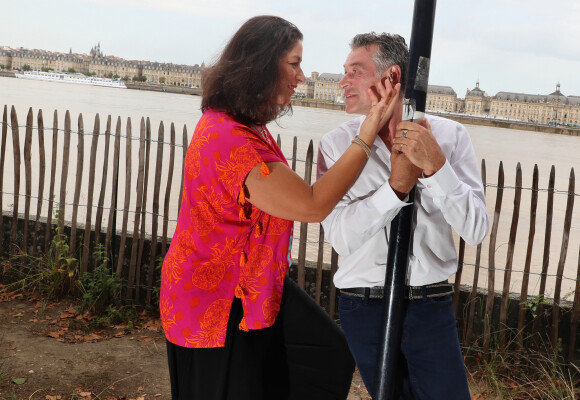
(385, 199)
(441, 182)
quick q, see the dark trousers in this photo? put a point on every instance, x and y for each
(431, 362)
(303, 356)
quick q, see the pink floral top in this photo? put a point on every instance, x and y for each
(223, 246)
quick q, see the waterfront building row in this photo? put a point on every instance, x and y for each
(96, 63)
(554, 108)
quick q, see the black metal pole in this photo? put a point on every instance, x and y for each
(394, 305)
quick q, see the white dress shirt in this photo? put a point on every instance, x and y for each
(451, 198)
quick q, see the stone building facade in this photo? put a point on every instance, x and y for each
(96, 63)
(476, 102)
(441, 99)
(326, 88)
(5, 57)
(553, 109)
(305, 90)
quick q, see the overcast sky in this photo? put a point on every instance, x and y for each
(524, 46)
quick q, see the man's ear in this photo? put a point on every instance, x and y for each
(393, 74)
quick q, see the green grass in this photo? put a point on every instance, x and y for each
(533, 373)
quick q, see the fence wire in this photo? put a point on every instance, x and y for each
(134, 138)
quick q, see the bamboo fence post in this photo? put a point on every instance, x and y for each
(127, 199)
(303, 225)
(575, 316)
(112, 220)
(78, 187)
(41, 172)
(28, 176)
(509, 261)
(17, 161)
(2, 159)
(104, 178)
(562, 261)
(319, 262)
(64, 176)
(155, 215)
(491, 272)
(294, 153)
(143, 210)
(182, 164)
(546, 258)
(168, 190)
(457, 283)
(131, 280)
(332, 296)
(91, 188)
(54, 156)
(473, 293)
(526, 275)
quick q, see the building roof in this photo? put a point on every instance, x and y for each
(574, 100)
(557, 96)
(475, 92)
(554, 97)
(529, 98)
(330, 77)
(441, 90)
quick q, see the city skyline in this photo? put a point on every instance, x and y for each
(97, 49)
(511, 45)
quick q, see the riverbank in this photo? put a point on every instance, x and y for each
(497, 123)
(163, 88)
(465, 119)
(139, 86)
(462, 118)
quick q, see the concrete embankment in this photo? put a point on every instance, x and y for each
(498, 123)
(466, 119)
(317, 104)
(163, 88)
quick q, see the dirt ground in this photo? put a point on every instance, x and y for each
(43, 357)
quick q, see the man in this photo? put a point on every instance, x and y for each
(436, 155)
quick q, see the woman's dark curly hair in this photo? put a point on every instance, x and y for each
(243, 81)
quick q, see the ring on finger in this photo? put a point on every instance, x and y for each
(405, 133)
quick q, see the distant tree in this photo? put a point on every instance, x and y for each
(72, 71)
(26, 67)
(46, 69)
(91, 73)
(126, 78)
(116, 76)
(2, 66)
(162, 80)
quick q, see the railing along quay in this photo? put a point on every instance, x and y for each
(125, 196)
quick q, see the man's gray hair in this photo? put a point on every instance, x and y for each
(391, 50)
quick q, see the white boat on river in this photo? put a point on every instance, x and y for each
(71, 78)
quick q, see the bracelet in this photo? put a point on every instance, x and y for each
(362, 144)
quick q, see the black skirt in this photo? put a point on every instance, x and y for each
(303, 356)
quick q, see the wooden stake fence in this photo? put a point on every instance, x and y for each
(145, 190)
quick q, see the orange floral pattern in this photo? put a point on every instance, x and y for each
(223, 246)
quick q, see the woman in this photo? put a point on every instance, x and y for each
(235, 327)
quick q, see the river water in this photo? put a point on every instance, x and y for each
(494, 145)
